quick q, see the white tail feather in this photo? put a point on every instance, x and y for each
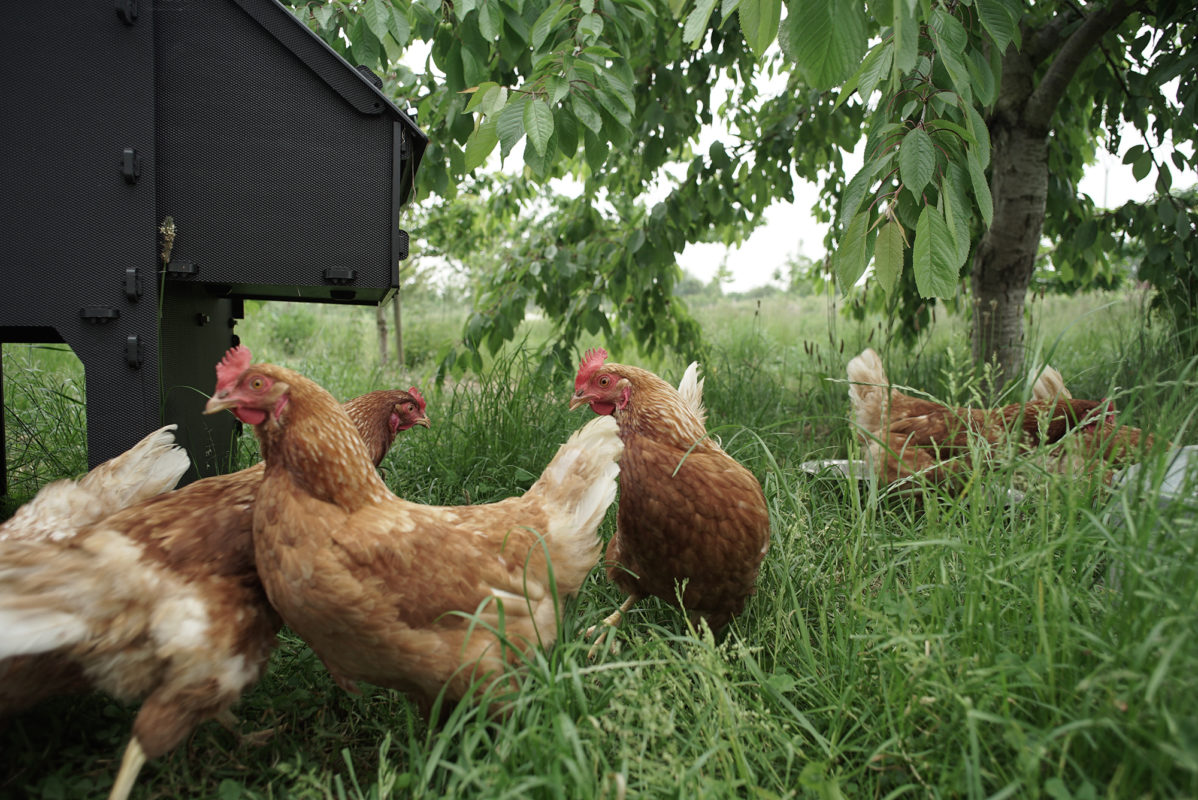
(691, 389)
(1050, 386)
(151, 467)
(36, 631)
(869, 390)
(578, 486)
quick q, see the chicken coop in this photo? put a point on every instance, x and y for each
(164, 161)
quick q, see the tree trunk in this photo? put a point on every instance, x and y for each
(1019, 128)
(380, 325)
(1003, 262)
(399, 354)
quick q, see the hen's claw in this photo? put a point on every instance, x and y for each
(606, 627)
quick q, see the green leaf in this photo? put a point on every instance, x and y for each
(473, 69)
(696, 22)
(906, 39)
(490, 20)
(997, 22)
(480, 144)
(366, 46)
(478, 93)
(556, 88)
(981, 134)
(615, 106)
(849, 258)
(538, 124)
(494, 100)
(863, 81)
(888, 255)
(759, 23)
(956, 210)
(595, 150)
(323, 14)
(587, 114)
(544, 24)
(1133, 152)
(917, 161)
(827, 39)
(1164, 179)
(1085, 235)
(611, 81)
(1166, 211)
(985, 86)
(590, 27)
(854, 193)
(401, 29)
(932, 256)
(981, 187)
(1142, 166)
(377, 14)
(871, 76)
(950, 39)
(510, 124)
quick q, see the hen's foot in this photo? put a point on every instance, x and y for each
(606, 629)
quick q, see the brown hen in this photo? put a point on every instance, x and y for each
(913, 440)
(413, 597)
(689, 513)
(159, 602)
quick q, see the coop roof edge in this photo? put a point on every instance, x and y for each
(316, 53)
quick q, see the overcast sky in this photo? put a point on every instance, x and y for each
(790, 228)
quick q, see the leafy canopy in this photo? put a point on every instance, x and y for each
(612, 96)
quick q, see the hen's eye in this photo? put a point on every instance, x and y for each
(604, 381)
(257, 383)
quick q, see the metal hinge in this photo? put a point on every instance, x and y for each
(132, 283)
(99, 315)
(339, 275)
(133, 351)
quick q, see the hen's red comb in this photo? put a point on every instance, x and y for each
(416, 396)
(235, 362)
(591, 362)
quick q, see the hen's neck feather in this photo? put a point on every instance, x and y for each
(319, 447)
(655, 408)
(369, 414)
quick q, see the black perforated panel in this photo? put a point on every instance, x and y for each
(270, 166)
(282, 167)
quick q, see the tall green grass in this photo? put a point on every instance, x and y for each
(965, 647)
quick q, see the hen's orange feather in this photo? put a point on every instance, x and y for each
(406, 595)
(689, 513)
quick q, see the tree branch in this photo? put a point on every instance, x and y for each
(1041, 42)
(1043, 102)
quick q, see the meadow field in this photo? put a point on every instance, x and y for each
(966, 647)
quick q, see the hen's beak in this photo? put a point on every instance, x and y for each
(424, 422)
(578, 400)
(219, 402)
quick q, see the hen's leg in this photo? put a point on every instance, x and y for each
(608, 625)
(131, 764)
(228, 720)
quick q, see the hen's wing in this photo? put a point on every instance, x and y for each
(698, 516)
(382, 595)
